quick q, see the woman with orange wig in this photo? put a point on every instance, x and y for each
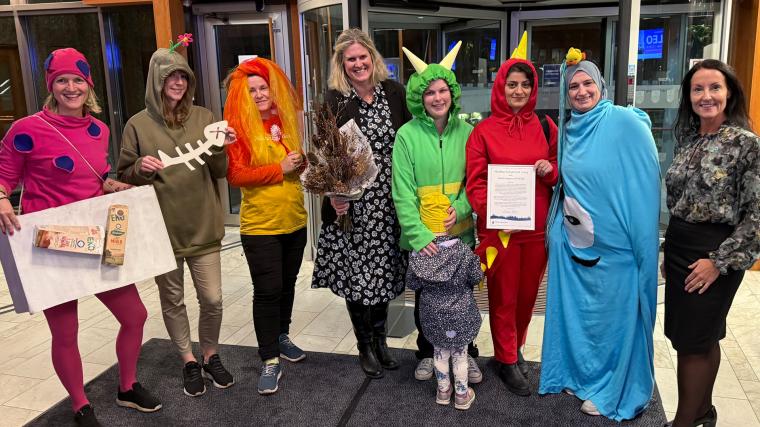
(265, 163)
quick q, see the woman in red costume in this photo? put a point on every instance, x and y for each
(513, 135)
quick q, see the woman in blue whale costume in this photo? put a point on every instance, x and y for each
(603, 248)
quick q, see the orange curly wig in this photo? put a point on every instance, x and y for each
(242, 114)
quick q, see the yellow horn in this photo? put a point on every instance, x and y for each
(448, 60)
(521, 51)
(418, 64)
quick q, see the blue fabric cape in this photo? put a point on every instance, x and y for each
(603, 252)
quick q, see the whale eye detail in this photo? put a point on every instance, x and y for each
(578, 224)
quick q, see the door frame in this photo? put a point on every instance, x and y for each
(209, 16)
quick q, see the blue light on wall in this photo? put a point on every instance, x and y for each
(492, 51)
(650, 43)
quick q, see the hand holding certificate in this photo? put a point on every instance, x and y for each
(511, 197)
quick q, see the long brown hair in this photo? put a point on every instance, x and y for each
(736, 104)
(177, 116)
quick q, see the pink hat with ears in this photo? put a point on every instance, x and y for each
(66, 61)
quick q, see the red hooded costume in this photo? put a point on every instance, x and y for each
(515, 274)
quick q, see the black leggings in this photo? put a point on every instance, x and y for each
(274, 262)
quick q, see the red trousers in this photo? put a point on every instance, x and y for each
(513, 281)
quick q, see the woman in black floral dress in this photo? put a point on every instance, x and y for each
(365, 265)
(714, 201)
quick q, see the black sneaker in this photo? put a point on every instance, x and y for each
(138, 398)
(192, 375)
(214, 370)
(85, 417)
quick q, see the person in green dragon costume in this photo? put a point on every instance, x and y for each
(428, 181)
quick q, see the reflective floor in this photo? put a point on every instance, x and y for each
(28, 384)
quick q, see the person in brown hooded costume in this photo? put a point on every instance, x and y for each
(190, 204)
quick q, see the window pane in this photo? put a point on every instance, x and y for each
(128, 55)
(321, 28)
(12, 103)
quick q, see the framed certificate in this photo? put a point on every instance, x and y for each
(511, 201)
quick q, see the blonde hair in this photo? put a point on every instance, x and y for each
(91, 104)
(338, 79)
(175, 117)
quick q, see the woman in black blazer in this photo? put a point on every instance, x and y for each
(364, 265)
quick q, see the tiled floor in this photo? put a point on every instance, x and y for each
(28, 384)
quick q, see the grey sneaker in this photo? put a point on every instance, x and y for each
(474, 375)
(464, 401)
(290, 351)
(589, 408)
(424, 369)
(443, 397)
(271, 372)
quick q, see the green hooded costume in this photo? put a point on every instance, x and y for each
(425, 161)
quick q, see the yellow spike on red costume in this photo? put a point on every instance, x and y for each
(491, 253)
(521, 51)
(504, 237)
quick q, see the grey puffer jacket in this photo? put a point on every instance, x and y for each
(448, 313)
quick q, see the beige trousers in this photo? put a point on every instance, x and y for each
(206, 272)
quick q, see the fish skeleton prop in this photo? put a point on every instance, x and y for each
(215, 134)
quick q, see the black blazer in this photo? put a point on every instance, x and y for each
(349, 109)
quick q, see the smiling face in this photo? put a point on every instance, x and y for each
(437, 99)
(70, 92)
(357, 64)
(583, 92)
(175, 87)
(259, 90)
(517, 90)
(709, 94)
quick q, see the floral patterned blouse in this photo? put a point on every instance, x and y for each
(716, 178)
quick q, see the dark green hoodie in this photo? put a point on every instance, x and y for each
(189, 200)
(425, 162)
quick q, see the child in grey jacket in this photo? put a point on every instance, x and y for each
(448, 313)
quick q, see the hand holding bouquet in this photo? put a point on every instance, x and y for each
(340, 162)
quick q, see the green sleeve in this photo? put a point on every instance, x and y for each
(404, 188)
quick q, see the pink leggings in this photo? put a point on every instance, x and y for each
(126, 306)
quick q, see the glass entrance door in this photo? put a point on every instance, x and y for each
(229, 40)
(12, 105)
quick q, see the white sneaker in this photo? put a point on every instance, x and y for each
(474, 375)
(424, 369)
(589, 408)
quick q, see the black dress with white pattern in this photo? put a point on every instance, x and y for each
(366, 265)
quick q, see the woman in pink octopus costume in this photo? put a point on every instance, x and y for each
(61, 156)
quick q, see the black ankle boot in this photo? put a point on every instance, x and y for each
(379, 317)
(360, 319)
(709, 419)
(522, 364)
(514, 380)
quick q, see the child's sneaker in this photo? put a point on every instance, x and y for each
(443, 397)
(464, 401)
(290, 351)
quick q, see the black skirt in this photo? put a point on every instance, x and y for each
(694, 322)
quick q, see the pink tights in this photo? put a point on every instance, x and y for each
(125, 304)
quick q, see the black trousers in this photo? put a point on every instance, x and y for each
(424, 347)
(274, 261)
